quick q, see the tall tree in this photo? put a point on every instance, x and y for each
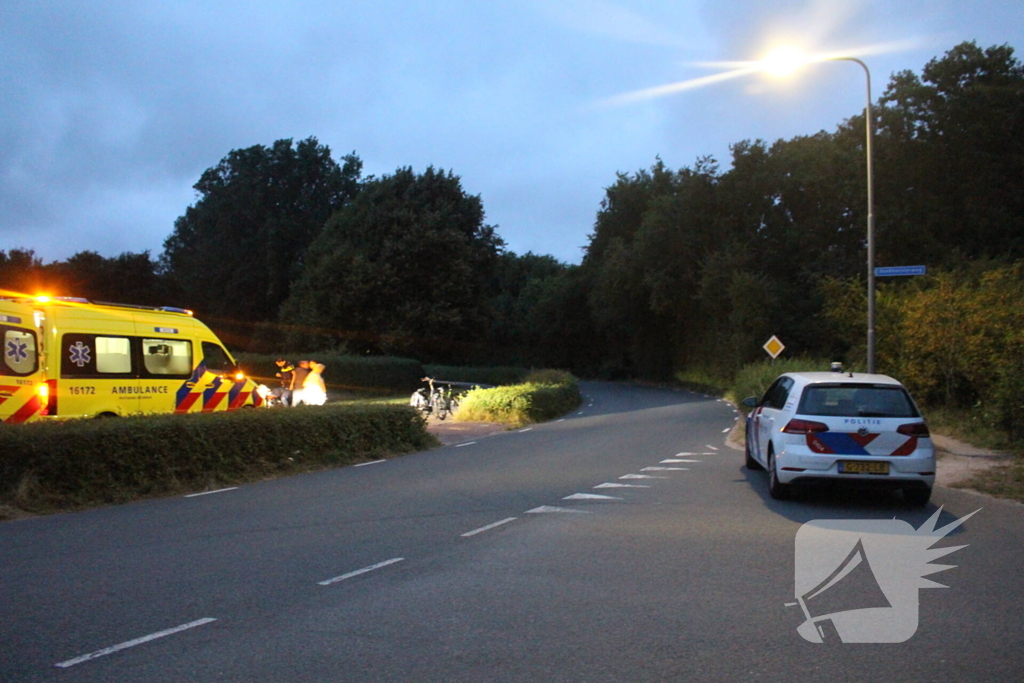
(236, 251)
(958, 138)
(405, 267)
(21, 272)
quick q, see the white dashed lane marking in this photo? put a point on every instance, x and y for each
(590, 496)
(209, 493)
(364, 570)
(133, 643)
(482, 529)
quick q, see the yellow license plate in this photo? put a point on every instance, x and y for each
(863, 467)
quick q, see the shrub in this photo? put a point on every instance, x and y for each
(556, 393)
(74, 463)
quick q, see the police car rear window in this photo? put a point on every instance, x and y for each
(857, 400)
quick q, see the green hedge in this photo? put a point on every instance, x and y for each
(544, 395)
(60, 465)
(375, 373)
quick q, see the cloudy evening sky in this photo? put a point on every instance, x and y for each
(110, 110)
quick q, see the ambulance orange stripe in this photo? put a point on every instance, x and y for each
(186, 403)
(211, 405)
(239, 400)
(31, 408)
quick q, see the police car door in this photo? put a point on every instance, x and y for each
(770, 412)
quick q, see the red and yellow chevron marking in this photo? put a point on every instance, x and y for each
(240, 400)
(32, 408)
(211, 404)
(186, 403)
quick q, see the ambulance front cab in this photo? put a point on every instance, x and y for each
(23, 389)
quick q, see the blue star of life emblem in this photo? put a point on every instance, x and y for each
(80, 354)
(17, 350)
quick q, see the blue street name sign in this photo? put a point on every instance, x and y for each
(893, 271)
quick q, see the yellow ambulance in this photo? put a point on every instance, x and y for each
(69, 357)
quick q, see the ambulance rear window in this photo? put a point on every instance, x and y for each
(19, 351)
(88, 355)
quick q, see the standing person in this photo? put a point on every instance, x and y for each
(298, 378)
(285, 370)
(314, 391)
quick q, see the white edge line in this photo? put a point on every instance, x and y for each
(207, 493)
(133, 643)
(482, 529)
(364, 570)
(468, 443)
(528, 429)
(372, 462)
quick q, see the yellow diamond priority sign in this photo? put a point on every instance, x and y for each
(774, 347)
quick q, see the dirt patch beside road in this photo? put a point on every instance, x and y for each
(959, 461)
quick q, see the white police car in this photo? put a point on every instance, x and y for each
(814, 427)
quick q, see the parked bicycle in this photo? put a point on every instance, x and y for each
(436, 399)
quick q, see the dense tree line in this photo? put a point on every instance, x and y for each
(699, 266)
(286, 247)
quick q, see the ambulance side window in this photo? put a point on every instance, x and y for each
(19, 351)
(90, 355)
(217, 360)
(167, 357)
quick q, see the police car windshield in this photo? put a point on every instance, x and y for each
(857, 400)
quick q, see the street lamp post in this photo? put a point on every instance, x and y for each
(871, 217)
(784, 62)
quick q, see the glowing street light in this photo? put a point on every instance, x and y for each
(785, 61)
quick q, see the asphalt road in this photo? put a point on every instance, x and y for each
(494, 561)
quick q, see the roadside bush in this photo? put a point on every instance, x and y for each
(755, 378)
(359, 373)
(59, 465)
(519, 404)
